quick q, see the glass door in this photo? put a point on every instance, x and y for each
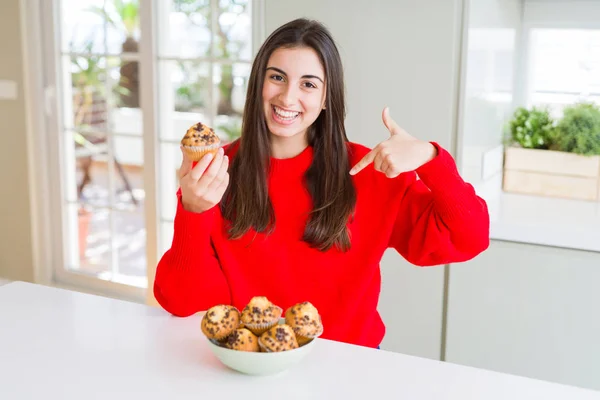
(127, 78)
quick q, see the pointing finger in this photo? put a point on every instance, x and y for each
(366, 160)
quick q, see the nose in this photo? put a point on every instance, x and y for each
(289, 96)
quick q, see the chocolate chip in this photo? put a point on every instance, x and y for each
(280, 334)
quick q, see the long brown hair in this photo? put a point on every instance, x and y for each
(246, 202)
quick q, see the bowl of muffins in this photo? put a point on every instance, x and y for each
(261, 339)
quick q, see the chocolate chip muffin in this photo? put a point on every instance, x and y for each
(242, 340)
(220, 321)
(305, 321)
(280, 337)
(200, 140)
(260, 315)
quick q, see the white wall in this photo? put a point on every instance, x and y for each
(16, 259)
(528, 310)
(489, 76)
(403, 54)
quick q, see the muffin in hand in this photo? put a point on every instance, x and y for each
(200, 140)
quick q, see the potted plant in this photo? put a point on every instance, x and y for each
(554, 158)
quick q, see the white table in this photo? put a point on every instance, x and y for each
(57, 344)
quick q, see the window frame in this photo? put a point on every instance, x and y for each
(42, 46)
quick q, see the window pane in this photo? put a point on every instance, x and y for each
(88, 93)
(565, 67)
(231, 83)
(89, 239)
(184, 97)
(128, 173)
(184, 28)
(83, 25)
(233, 38)
(130, 243)
(89, 158)
(124, 84)
(122, 25)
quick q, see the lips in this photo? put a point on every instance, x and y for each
(283, 116)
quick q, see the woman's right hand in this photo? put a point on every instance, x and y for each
(203, 186)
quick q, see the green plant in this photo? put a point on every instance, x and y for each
(124, 16)
(232, 129)
(532, 128)
(579, 130)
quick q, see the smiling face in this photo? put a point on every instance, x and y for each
(293, 92)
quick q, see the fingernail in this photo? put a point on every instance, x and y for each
(221, 151)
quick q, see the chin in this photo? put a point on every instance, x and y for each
(284, 133)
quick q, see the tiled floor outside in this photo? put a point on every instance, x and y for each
(128, 232)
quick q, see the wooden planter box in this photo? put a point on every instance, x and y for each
(551, 173)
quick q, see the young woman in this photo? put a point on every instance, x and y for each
(295, 212)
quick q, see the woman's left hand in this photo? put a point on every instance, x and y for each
(399, 153)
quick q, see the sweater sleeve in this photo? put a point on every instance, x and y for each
(439, 218)
(188, 276)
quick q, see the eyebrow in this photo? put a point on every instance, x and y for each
(303, 76)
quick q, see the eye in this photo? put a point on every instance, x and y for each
(310, 85)
(276, 77)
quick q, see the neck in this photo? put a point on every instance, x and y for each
(288, 147)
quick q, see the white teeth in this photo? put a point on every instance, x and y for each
(285, 114)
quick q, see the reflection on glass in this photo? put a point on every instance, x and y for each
(234, 31)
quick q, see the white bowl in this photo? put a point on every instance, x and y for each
(252, 363)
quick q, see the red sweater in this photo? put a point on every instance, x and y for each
(434, 220)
